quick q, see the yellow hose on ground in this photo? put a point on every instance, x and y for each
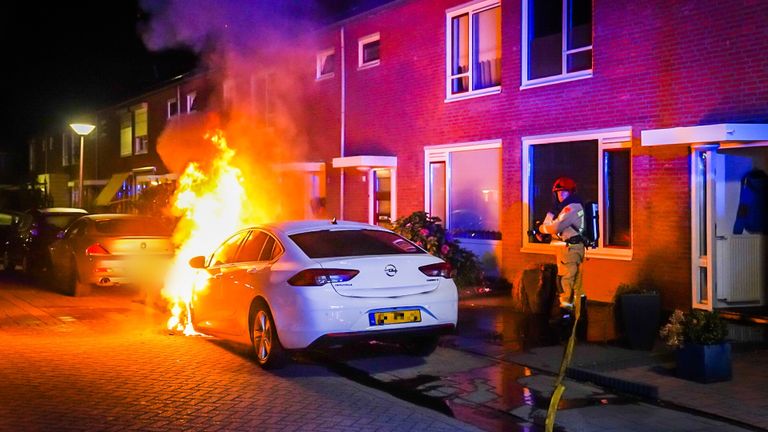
(559, 386)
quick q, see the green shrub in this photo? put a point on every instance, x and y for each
(427, 232)
(695, 327)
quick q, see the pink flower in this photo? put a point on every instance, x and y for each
(424, 231)
(444, 249)
(419, 243)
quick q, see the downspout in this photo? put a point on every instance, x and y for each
(178, 100)
(342, 123)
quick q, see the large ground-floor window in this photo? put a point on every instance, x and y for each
(462, 188)
(599, 162)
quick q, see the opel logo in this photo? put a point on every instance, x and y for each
(143, 245)
(390, 270)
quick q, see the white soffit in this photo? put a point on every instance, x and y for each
(301, 166)
(365, 161)
(716, 133)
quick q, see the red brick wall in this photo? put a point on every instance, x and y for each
(657, 64)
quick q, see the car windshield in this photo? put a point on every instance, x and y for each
(133, 227)
(61, 221)
(325, 244)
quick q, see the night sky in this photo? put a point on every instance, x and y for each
(63, 58)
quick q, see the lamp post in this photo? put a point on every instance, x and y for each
(82, 129)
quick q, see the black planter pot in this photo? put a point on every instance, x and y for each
(640, 314)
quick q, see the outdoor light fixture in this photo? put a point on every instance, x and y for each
(81, 129)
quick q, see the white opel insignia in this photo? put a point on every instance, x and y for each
(293, 285)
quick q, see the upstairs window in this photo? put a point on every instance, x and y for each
(191, 101)
(368, 53)
(126, 133)
(173, 107)
(473, 60)
(140, 121)
(557, 37)
(326, 64)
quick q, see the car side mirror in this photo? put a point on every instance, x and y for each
(197, 262)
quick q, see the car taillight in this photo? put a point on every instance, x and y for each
(318, 277)
(442, 269)
(96, 249)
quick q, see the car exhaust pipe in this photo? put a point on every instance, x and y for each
(104, 281)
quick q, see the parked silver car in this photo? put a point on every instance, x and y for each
(112, 249)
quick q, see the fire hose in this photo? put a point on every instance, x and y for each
(567, 354)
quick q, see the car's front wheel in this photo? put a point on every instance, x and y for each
(266, 346)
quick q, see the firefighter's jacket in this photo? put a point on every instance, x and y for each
(568, 223)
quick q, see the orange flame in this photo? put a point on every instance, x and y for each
(211, 207)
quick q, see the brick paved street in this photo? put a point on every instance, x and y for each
(105, 363)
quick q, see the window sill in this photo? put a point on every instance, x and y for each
(324, 77)
(474, 94)
(370, 65)
(541, 82)
(601, 253)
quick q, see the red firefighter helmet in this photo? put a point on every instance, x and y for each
(564, 183)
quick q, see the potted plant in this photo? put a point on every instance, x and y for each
(639, 314)
(428, 232)
(702, 352)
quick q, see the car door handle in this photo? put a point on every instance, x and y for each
(255, 270)
(721, 237)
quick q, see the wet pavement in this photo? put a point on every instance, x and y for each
(496, 373)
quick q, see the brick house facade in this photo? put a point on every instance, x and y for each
(654, 65)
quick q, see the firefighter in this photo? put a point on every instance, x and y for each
(565, 222)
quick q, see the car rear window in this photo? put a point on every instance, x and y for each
(61, 221)
(326, 244)
(133, 227)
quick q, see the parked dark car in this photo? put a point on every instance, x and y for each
(9, 222)
(27, 244)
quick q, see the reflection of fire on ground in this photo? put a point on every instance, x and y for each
(215, 199)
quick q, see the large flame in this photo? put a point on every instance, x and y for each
(211, 207)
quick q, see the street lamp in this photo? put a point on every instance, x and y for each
(82, 129)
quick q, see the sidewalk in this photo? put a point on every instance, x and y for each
(742, 401)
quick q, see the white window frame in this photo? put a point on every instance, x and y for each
(554, 79)
(365, 40)
(372, 194)
(168, 106)
(607, 139)
(321, 56)
(470, 9)
(441, 153)
(191, 96)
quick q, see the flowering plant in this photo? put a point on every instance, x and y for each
(695, 327)
(427, 232)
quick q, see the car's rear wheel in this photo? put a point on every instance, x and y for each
(266, 347)
(421, 346)
(74, 287)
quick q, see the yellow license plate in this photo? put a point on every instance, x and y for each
(396, 317)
